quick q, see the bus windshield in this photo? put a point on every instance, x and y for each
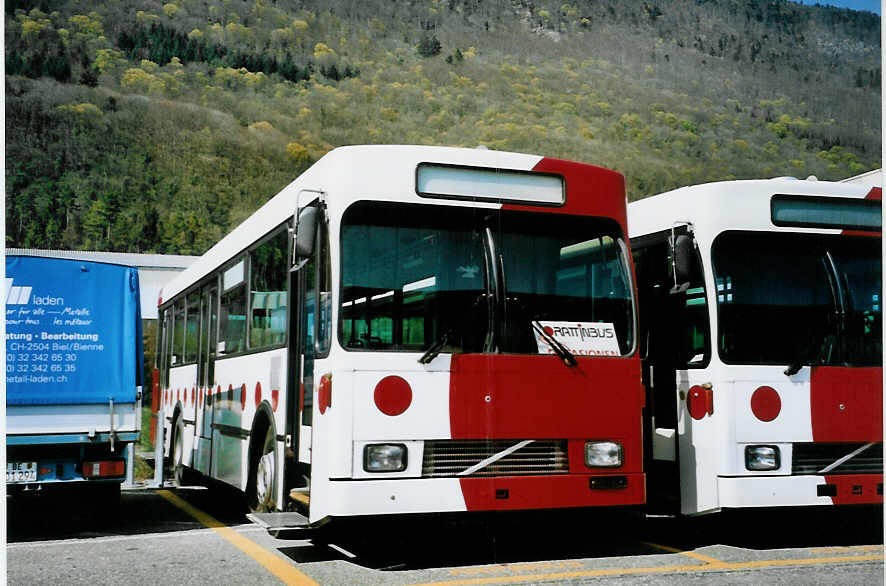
(798, 299)
(475, 279)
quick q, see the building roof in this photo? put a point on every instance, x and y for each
(141, 261)
(154, 270)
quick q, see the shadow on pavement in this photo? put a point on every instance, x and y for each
(74, 512)
(438, 541)
(434, 541)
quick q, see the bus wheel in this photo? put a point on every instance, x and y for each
(178, 450)
(263, 471)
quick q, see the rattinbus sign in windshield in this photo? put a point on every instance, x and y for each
(582, 338)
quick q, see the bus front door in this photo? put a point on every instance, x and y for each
(206, 379)
(301, 383)
(300, 395)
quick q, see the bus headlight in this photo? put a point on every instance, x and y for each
(603, 454)
(762, 458)
(384, 458)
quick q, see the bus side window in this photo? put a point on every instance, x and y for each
(232, 314)
(268, 272)
(176, 353)
(163, 346)
(192, 328)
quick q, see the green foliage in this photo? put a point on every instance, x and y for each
(35, 49)
(158, 126)
(429, 46)
(144, 441)
(160, 44)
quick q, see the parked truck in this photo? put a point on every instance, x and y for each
(74, 359)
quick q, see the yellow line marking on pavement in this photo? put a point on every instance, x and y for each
(722, 566)
(268, 560)
(562, 575)
(691, 554)
(837, 548)
(805, 561)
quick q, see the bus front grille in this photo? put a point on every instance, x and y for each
(812, 458)
(452, 458)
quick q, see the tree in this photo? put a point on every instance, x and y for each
(429, 46)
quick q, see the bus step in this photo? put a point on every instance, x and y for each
(301, 497)
(278, 521)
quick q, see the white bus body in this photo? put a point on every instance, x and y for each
(418, 387)
(763, 356)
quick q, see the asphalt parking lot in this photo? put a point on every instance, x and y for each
(188, 535)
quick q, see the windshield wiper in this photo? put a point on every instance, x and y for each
(436, 347)
(811, 357)
(795, 367)
(559, 349)
(448, 333)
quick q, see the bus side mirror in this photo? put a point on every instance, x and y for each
(682, 262)
(305, 233)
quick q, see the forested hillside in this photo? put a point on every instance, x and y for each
(143, 126)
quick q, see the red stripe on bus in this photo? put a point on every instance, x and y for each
(589, 191)
(538, 397)
(856, 489)
(847, 404)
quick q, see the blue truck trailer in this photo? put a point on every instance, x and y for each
(74, 364)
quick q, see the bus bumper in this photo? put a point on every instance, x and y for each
(429, 495)
(788, 491)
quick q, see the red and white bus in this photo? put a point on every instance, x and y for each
(411, 329)
(761, 332)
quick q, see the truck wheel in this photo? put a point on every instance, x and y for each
(178, 450)
(263, 475)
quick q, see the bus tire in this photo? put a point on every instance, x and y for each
(263, 472)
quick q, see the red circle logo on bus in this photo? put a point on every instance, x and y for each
(765, 403)
(393, 395)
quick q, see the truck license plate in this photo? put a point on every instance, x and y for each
(21, 472)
